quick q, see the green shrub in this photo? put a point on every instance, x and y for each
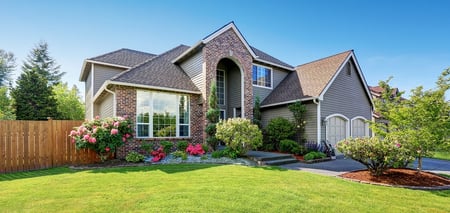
(218, 154)
(288, 145)
(231, 153)
(376, 154)
(134, 157)
(300, 150)
(167, 146)
(205, 147)
(179, 154)
(147, 147)
(182, 145)
(239, 134)
(279, 129)
(314, 155)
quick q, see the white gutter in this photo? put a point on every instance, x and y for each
(319, 121)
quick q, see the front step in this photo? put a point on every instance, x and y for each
(280, 162)
(269, 158)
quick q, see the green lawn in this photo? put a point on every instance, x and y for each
(442, 155)
(204, 188)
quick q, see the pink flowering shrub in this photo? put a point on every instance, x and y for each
(158, 154)
(196, 149)
(102, 135)
(376, 154)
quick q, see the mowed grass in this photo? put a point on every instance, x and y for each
(442, 155)
(204, 188)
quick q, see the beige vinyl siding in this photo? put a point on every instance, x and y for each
(103, 73)
(233, 90)
(193, 68)
(311, 122)
(282, 111)
(88, 97)
(278, 75)
(104, 106)
(346, 96)
(269, 114)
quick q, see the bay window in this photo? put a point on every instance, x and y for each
(161, 114)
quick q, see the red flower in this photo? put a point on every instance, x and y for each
(107, 149)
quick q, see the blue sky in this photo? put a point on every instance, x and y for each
(406, 39)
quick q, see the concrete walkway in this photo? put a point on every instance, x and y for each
(342, 165)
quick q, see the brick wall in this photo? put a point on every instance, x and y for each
(126, 106)
(228, 45)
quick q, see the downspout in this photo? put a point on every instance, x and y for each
(114, 98)
(319, 121)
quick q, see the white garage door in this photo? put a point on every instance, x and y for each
(359, 128)
(336, 129)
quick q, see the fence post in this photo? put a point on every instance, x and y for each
(52, 141)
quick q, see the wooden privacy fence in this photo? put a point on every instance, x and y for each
(31, 145)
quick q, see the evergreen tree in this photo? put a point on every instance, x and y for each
(299, 110)
(257, 112)
(69, 104)
(33, 97)
(213, 117)
(7, 65)
(40, 61)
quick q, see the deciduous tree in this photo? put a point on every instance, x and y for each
(69, 104)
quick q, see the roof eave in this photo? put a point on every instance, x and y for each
(358, 69)
(152, 87)
(187, 52)
(274, 64)
(288, 102)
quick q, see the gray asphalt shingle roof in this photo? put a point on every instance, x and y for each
(159, 71)
(309, 80)
(124, 57)
(266, 57)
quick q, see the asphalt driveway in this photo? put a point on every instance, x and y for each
(343, 165)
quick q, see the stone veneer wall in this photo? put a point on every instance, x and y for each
(126, 106)
(228, 45)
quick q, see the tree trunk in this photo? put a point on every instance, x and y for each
(419, 164)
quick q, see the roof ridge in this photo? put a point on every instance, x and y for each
(118, 50)
(105, 54)
(148, 60)
(138, 51)
(323, 58)
(220, 28)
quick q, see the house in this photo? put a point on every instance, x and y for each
(376, 92)
(166, 95)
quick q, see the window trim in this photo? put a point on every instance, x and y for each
(271, 76)
(224, 88)
(177, 116)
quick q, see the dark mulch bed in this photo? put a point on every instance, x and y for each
(402, 177)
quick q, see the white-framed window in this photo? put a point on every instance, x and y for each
(262, 76)
(161, 114)
(220, 87)
(360, 128)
